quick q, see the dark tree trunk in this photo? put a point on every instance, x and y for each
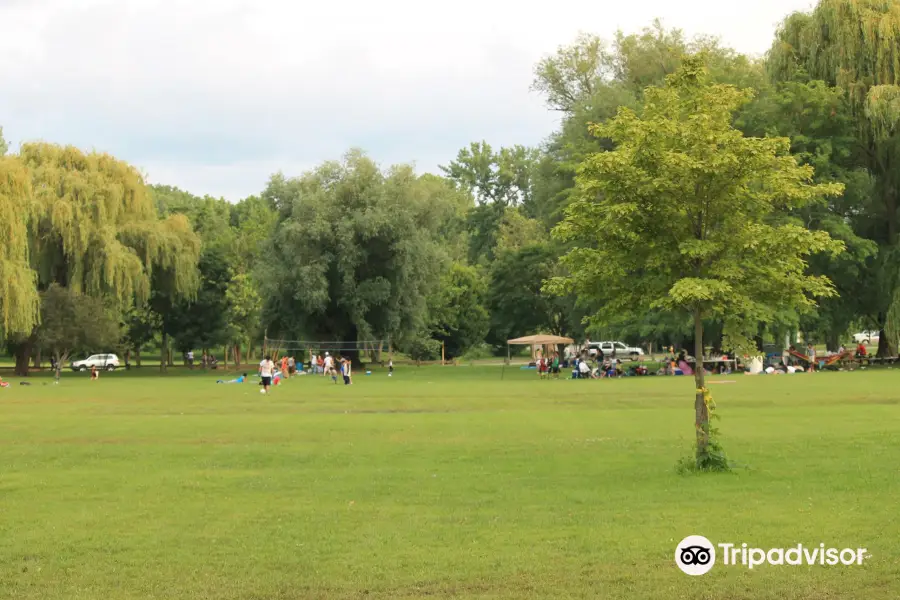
(164, 350)
(759, 342)
(137, 357)
(701, 411)
(37, 358)
(832, 341)
(884, 346)
(22, 355)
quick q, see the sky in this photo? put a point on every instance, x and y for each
(214, 96)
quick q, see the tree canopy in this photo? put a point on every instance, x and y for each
(679, 218)
(355, 252)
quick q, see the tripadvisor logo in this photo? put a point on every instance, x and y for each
(696, 555)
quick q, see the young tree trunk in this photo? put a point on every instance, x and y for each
(37, 358)
(164, 351)
(60, 359)
(237, 355)
(701, 412)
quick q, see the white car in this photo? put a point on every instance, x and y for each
(622, 350)
(866, 337)
(110, 362)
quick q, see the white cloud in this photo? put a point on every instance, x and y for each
(214, 95)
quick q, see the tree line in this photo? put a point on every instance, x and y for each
(506, 241)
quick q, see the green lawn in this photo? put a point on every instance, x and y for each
(438, 483)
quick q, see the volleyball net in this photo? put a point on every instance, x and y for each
(372, 350)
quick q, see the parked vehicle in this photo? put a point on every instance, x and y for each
(109, 362)
(621, 349)
(866, 337)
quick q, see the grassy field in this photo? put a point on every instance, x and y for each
(438, 483)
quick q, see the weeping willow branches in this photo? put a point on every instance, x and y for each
(86, 222)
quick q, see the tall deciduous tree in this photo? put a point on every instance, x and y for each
(678, 217)
(517, 305)
(93, 228)
(851, 44)
(355, 252)
(457, 310)
(818, 120)
(19, 300)
(498, 180)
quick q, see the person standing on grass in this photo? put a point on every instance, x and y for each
(266, 371)
(554, 366)
(345, 371)
(811, 354)
(95, 374)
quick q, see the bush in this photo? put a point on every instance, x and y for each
(422, 349)
(478, 352)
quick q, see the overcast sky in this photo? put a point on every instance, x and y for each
(216, 95)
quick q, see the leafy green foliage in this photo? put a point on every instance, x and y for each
(421, 348)
(516, 301)
(73, 322)
(818, 121)
(356, 251)
(457, 310)
(679, 218)
(850, 44)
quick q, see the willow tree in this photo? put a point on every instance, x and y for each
(355, 253)
(852, 44)
(91, 226)
(19, 301)
(679, 218)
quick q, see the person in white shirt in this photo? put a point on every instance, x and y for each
(329, 365)
(584, 369)
(266, 371)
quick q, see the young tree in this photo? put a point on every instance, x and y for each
(678, 218)
(72, 322)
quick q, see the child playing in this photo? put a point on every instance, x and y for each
(95, 374)
(240, 379)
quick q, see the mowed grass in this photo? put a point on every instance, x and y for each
(439, 483)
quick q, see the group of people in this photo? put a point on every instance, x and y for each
(546, 366)
(271, 372)
(601, 367)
